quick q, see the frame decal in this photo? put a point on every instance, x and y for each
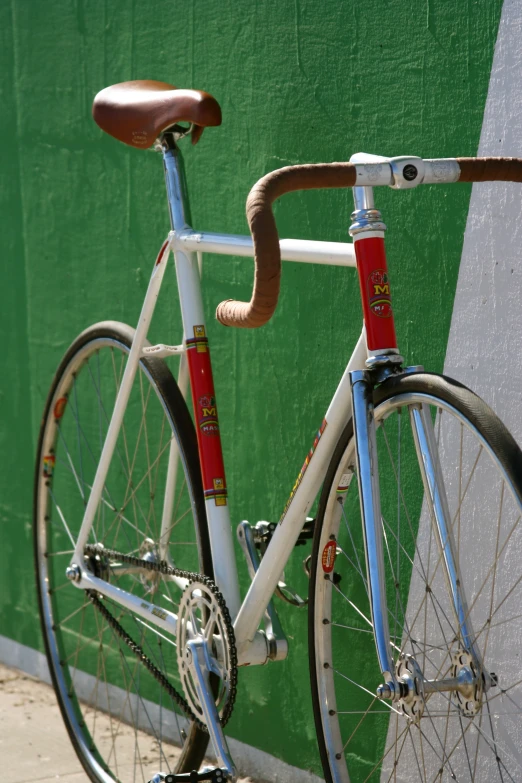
(219, 492)
(155, 610)
(374, 283)
(207, 416)
(199, 341)
(379, 297)
(304, 468)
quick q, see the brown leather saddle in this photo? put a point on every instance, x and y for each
(137, 112)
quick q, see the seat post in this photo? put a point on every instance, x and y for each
(175, 180)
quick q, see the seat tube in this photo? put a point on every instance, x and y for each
(202, 389)
(367, 230)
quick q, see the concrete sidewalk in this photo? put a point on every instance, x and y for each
(34, 744)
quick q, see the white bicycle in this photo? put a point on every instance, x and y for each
(414, 646)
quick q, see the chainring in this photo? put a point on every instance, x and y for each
(98, 558)
(203, 615)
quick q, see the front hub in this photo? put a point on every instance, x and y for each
(411, 684)
(411, 691)
(468, 696)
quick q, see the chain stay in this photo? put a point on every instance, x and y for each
(192, 576)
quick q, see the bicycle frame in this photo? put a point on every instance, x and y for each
(195, 360)
(186, 244)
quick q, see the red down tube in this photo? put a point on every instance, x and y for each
(206, 418)
(375, 293)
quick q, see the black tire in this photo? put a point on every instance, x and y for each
(361, 738)
(100, 686)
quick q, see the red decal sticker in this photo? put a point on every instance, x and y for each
(59, 407)
(328, 557)
(379, 293)
(374, 283)
(205, 413)
(208, 421)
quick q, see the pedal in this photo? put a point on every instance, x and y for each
(212, 775)
(264, 531)
(262, 535)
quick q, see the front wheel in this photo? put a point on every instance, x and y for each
(124, 723)
(473, 738)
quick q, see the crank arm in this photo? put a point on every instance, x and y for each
(200, 667)
(205, 776)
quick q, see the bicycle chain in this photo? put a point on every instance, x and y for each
(192, 576)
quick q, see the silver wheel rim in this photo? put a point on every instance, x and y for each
(124, 727)
(478, 749)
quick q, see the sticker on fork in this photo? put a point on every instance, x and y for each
(328, 557)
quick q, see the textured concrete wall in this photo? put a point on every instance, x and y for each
(82, 217)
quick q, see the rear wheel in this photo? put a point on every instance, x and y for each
(124, 725)
(362, 738)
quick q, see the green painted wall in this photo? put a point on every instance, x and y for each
(82, 217)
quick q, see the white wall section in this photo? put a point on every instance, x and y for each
(485, 341)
